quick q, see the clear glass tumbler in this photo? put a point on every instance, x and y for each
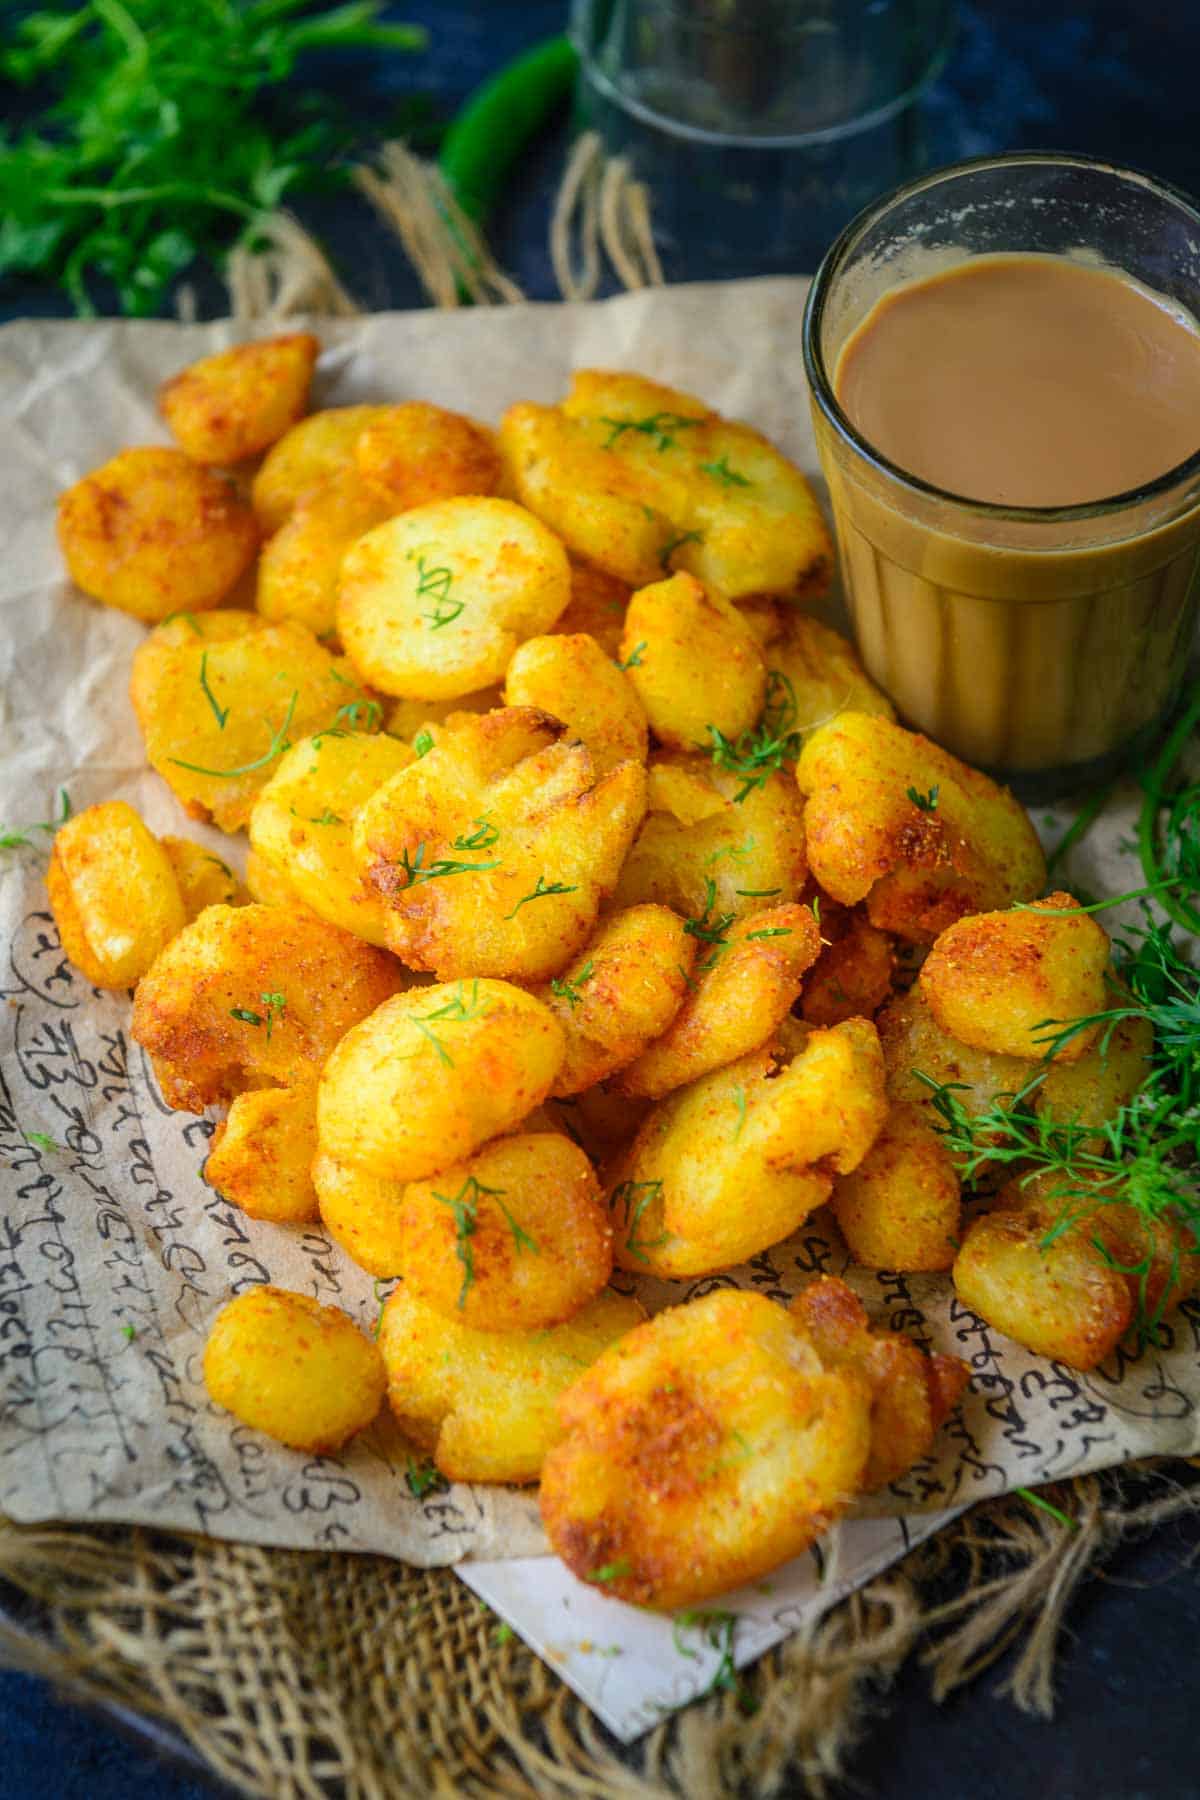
(1044, 644)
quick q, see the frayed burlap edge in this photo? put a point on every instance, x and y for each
(297, 1674)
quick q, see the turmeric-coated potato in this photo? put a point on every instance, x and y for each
(152, 534)
(310, 454)
(493, 851)
(414, 453)
(852, 977)
(710, 1445)
(433, 603)
(301, 565)
(900, 1208)
(895, 820)
(693, 663)
(573, 680)
(420, 722)
(1105, 1078)
(597, 606)
(113, 894)
(220, 697)
(602, 1122)
(516, 1238)
(435, 1073)
(746, 980)
(227, 407)
(294, 1369)
(1010, 981)
(914, 1045)
(204, 878)
(269, 885)
(361, 1212)
(620, 994)
(483, 1402)
(253, 996)
(821, 675)
(261, 1155)
(911, 1393)
(303, 822)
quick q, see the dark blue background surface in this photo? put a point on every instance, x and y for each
(1115, 78)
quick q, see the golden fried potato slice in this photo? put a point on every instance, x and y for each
(303, 822)
(227, 407)
(746, 981)
(914, 1045)
(852, 977)
(113, 894)
(895, 820)
(433, 603)
(204, 878)
(597, 606)
(301, 565)
(1009, 981)
(298, 1371)
(483, 1402)
(702, 1450)
(152, 534)
(693, 663)
(415, 453)
(516, 1238)
(911, 1392)
(310, 454)
(572, 679)
(261, 1155)
(361, 1212)
(220, 697)
(1094, 1088)
(418, 721)
(821, 674)
(253, 996)
(433, 1074)
(620, 994)
(901, 1207)
(492, 852)
(267, 885)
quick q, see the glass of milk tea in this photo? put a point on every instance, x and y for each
(1004, 359)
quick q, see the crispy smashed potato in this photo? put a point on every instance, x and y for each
(300, 567)
(1096, 1086)
(693, 663)
(227, 407)
(747, 981)
(493, 852)
(824, 676)
(620, 994)
(300, 1372)
(261, 1156)
(911, 1393)
(961, 845)
(573, 680)
(514, 1239)
(303, 821)
(597, 606)
(310, 454)
(204, 879)
(152, 534)
(362, 1212)
(852, 977)
(218, 697)
(641, 479)
(994, 980)
(113, 894)
(900, 1209)
(602, 1122)
(433, 1074)
(433, 603)
(736, 1162)
(483, 1402)
(408, 719)
(250, 997)
(914, 1044)
(708, 1446)
(412, 454)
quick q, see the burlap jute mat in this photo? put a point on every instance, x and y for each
(312, 1674)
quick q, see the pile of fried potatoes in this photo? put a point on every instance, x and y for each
(583, 866)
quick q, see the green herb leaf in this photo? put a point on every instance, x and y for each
(542, 891)
(676, 543)
(42, 1142)
(220, 713)
(721, 471)
(661, 426)
(924, 802)
(277, 746)
(423, 743)
(634, 659)
(465, 1207)
(568, 990)
(417, 870)
(634, 1197)
(424, 1478)
(611, 1571)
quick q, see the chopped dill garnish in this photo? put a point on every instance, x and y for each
(418, 870)
(611, 1571)
(277, 746)
(542, 891)
(634, 659)
(465, 1207)
(220, 713)
(566, 989)
(422, 744)
(634, 1197)
(424, 1478)
(661, 426)
(926, 803)
(721, 471)
(458, 1010)
(42, 1142)
(754, 756)
(483, 837)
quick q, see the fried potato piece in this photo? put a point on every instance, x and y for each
(483, 1402)
(914, 1044)
(416, 453)
(301, 565)
(701, 1451)
(204, 879)
(620, 994)
(602, 1122)
(493, 852)
(253, 996)
(852, 977)
(261, 1155)
(217, 697)
(300, 1372)
(433, 1074)
(267, 885)
(641, 479)
(113, 894)
(693, 663)
(764, 619)
(823, 675)
(573, 680)
(736, 1162)
(361, 1212)
(1096, 1086)
(151, 534)
(227, 407)
(597, 606)
(433, 603)
(421, 719)
(310, 454)
(995, 979)
(969, 848)
(303, 821)
(516, 1238)
(911, 1392)
(901, 1207)
(748, 980)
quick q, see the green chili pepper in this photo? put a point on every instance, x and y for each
(498, 120)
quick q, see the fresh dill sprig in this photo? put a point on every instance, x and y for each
(754, 756)
(719, 1630)
(18, 838)
(417, 870)
(460, 1009)
(483, 837)
(709, 928)
(634, 659)
(542, 891)
(721, 471)
(220, 713)
(925, 803)
(277, 746)
(661, 426)
(465, 1207)
(424, 1478)
(422, 744)
(565, 989)
(634, 1197)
